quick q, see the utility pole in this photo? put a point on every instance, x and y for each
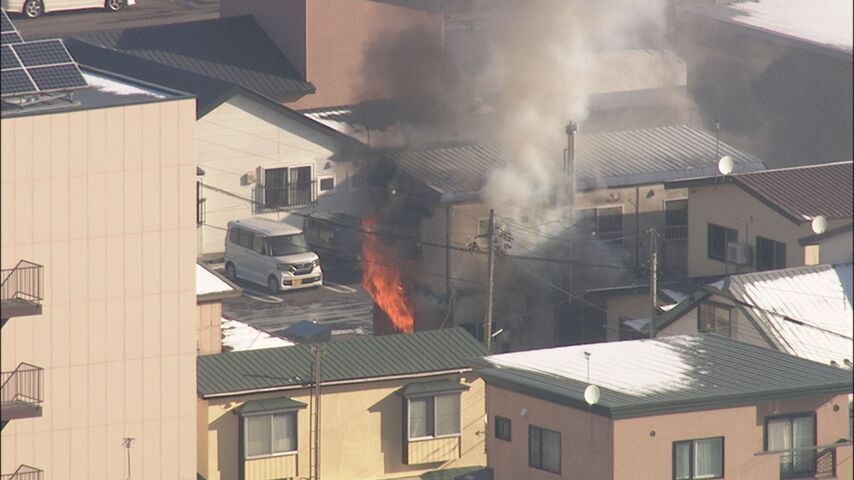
(490, 281)
(126, 442)
(653, 281)
(317, 351)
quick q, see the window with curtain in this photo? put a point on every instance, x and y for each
(270, 434)
(698, 459)
(544, 449)
(792, 433)
(434, 416)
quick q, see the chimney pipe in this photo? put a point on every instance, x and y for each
(569, 169)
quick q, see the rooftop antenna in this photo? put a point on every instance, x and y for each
(127, 442)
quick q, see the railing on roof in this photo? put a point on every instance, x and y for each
(24, 472)
(22, 386)
(24, 282)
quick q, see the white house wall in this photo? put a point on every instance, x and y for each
(241, 135)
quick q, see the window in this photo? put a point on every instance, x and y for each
(288, 187)
(245, 239)
(719, 237)
(259, 245)
(435, 416)
(502, 428)
(788, 433)
(544, 449)
(200, 204)
(327, 184)
(270, 434)
(234, 236)
(609, 223)
(770, 255)
(698, 459)
(676, 219)
(715, 318)
(501, 226)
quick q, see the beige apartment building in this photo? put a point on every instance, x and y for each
(98, 193)
(685, 407)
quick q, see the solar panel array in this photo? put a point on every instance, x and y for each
(32, 68)
(9, 32)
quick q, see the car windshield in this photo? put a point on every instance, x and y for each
(287, 245)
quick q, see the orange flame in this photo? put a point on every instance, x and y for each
(382, 281)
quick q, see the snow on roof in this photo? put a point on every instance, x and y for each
(638, 368)
(808, 310)
(116, 87)
(240, 336)
(208, 282)
(826, 23)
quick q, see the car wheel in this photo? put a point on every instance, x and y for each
(115, 5)
(273, 285)
(33, 8)
(230, 271)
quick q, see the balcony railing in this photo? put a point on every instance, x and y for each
(292, 195)
(825, 463)
(22, 392)
(676, 232)
(24, 472)
(21, 289)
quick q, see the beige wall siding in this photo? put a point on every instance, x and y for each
(241, 135)
(742, 328)
(730, 206)
(586, 439)
(836, 249)
(210, 327)
(362, 431)
(279, 466)
(104, 199)
(431, 451)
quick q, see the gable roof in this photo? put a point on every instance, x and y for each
(669, 374)
(805, 311)
(359, 359)
(798, 193)
(610, 159)
(216, 49)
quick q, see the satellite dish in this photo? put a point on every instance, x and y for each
(591, 395)
(819, 224)
(725, 165)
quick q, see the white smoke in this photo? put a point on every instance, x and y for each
(543, 71)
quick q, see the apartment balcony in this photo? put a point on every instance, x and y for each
(24, 472)
(285, 197)
(21, 290)
(22, 392)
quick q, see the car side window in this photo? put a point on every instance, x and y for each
(259, 244)
(234, 235)
(246, 239)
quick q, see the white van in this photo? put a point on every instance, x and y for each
(35, 8)
(271, 253)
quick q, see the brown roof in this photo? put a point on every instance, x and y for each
(798, 193)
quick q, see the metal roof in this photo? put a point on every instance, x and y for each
(819, 237)
(610, 159)
(348, 360)
(269, 405)
(663, 375)
(215, 48)
(417, 389)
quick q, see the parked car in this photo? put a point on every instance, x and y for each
(35, 8)
(337, 239)
(271, 253)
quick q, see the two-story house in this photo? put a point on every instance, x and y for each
(396, 406)
(682, 407)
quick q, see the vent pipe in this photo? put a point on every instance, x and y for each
(569, 169)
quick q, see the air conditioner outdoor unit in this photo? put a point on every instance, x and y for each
(738, 253)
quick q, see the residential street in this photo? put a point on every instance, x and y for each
(144, 13)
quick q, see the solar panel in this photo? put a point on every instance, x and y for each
(10, 37)
(15, 82)
(44, 52)
(8, 58)
(6, 24)
(57, 77)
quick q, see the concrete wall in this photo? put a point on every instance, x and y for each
(210, 327)
(361, 437)
(104, 199)
(353, 50)
(241, 135)
(729, 206)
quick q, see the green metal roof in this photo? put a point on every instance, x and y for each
(269, 405)
(417, 389)
(664, 375)
(360, 358)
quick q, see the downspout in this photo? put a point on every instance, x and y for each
(448, 286)
(637, 227)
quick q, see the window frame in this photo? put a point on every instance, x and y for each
(691, 443)
(727, 240)
(286, 186)
(531, 429)
(320, 179)
(410, 438)
(672, 231)
(790, 417)
(729, 308)
(503, 420)
(609, 234)
(244, 420)
(774, 244)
